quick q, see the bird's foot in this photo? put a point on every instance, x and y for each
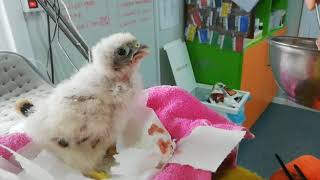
(98, 175)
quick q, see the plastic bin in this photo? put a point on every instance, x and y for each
(183, 73)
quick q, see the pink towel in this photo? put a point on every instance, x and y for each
(13, 141)
(180, 112)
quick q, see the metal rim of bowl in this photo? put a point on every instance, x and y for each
(272, 41)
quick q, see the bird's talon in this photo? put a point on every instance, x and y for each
(99, 175)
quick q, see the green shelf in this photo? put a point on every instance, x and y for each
(263, 11)
(212, 64)
(254, 41)
(279, 4)
(271, 33)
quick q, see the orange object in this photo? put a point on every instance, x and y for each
(164, 145)
(316, 104)
(257, 78)
(155, 129)
(309, 165)
(237, 173)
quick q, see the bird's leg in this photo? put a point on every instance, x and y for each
(100, 173)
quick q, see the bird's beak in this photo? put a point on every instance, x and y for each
(142, 51)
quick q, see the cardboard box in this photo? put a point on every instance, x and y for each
(183, 73)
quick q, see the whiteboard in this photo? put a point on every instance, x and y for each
(96, 19)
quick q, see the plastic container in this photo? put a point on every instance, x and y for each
(183, 73)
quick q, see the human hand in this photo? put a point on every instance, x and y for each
(311, 3)
(318, 43)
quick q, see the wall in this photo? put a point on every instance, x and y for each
(35, 40)
(13, 29)
(6, 40)
(293, 16)
(165, 36)
(95, 19)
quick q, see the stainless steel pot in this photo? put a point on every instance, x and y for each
(295, 64)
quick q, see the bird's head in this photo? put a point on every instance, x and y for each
(119, 54)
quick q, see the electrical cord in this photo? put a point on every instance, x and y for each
(67, 28)
(59, 43)
(50, 55)
(70, 20)
(56, 26)
(56, 6)
(75, 28)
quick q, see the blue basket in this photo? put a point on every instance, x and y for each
(237, 118)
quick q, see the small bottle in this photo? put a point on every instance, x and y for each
(261, 26)
(256, 24)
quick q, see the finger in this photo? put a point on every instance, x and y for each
(317, 2)
(318, 43)
(311, 4)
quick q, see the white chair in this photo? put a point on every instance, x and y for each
(19, 79)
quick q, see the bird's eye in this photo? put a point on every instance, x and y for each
(137, 45)
(122, 51)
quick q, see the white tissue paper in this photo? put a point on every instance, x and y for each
(44, 166)
(8, 166)
(6, 175)
(206, 147)
(148, 155)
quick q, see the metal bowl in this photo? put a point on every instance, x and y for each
(295, 64)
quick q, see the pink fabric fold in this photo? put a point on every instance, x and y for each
(180, 112)
(13, 141)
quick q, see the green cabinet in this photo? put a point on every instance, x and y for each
(212, 64)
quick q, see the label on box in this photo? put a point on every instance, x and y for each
(231, 23)
(225, 9)
(203, 3)
(225, 23)
(213, 3)
(239, 41)
(228, 42)
(190, 32)
(214, 38)
(218, 3)
(196, 18)
(244, 24)
(214, 15)
(221, 41)
(203, 35)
